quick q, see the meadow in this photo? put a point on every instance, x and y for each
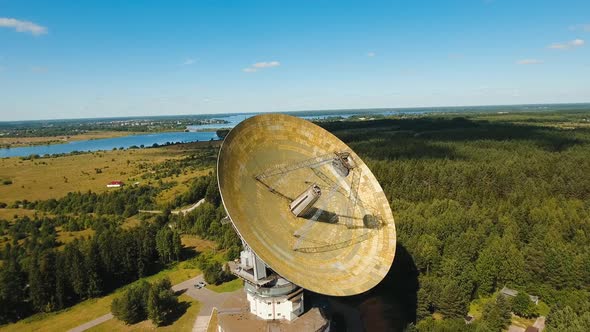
(53, 177)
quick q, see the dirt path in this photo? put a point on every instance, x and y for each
(189, 209)
(92, 323)
(183, 211)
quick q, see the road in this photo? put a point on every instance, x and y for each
(183, 211)
(208, 300)
(92, 323)
(539, 323)
(189, 209)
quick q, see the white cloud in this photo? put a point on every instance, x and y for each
(577, 42)
(261, 65)
(188, 62)
(529, 62)
(269, 64)
(22, 26)
(568, 45)
(371, 54)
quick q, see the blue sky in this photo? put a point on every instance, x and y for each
(69, 59)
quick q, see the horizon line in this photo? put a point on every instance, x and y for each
(294, 111)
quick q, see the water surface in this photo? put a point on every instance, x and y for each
(146, 140)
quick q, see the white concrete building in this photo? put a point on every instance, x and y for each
(287, 307)
(270, 296)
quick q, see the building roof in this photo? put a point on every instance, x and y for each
(234, 315)
(508, 291)
(512, 292)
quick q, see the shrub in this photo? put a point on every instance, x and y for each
(523, 306)
(131, 307)
(161, 302)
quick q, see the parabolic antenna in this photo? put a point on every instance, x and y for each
(306, 204)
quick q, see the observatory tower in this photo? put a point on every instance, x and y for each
(310, 214)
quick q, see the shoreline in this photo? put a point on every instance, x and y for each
(21, 142)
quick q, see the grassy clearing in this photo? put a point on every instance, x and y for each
(8, 214)
(65, 237)
(437, 316)
(46, 178)
(476, 306)
(94, 308)
(229, 286)
(183, 183)
(522, 322)
(184, 323)
(131, 222)
(543, 308)
(29, 141)
(196, 243)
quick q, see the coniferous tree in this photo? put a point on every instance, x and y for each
(131, 306)
(496, 314)
(168, 245)
(452, 302)
(566, 319)
(12, 287)
(161, 301)
(93, 269)
(42, 281)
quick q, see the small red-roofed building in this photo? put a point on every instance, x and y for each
(115, 184)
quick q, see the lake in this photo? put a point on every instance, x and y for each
(196, 133)
(204, 132)
(110, 143)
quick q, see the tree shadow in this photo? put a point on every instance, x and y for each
(176, 313)
(180, 292)
(188, 252)
(390, 306)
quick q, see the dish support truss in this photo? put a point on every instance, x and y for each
(344, 167)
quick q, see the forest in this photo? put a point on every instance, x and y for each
(40, 274)
(52, 128)
(481, 202)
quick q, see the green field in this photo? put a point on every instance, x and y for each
(183, 323)
(229, 286)
(54, 177)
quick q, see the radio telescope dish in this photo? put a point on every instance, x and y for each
(306, 205)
